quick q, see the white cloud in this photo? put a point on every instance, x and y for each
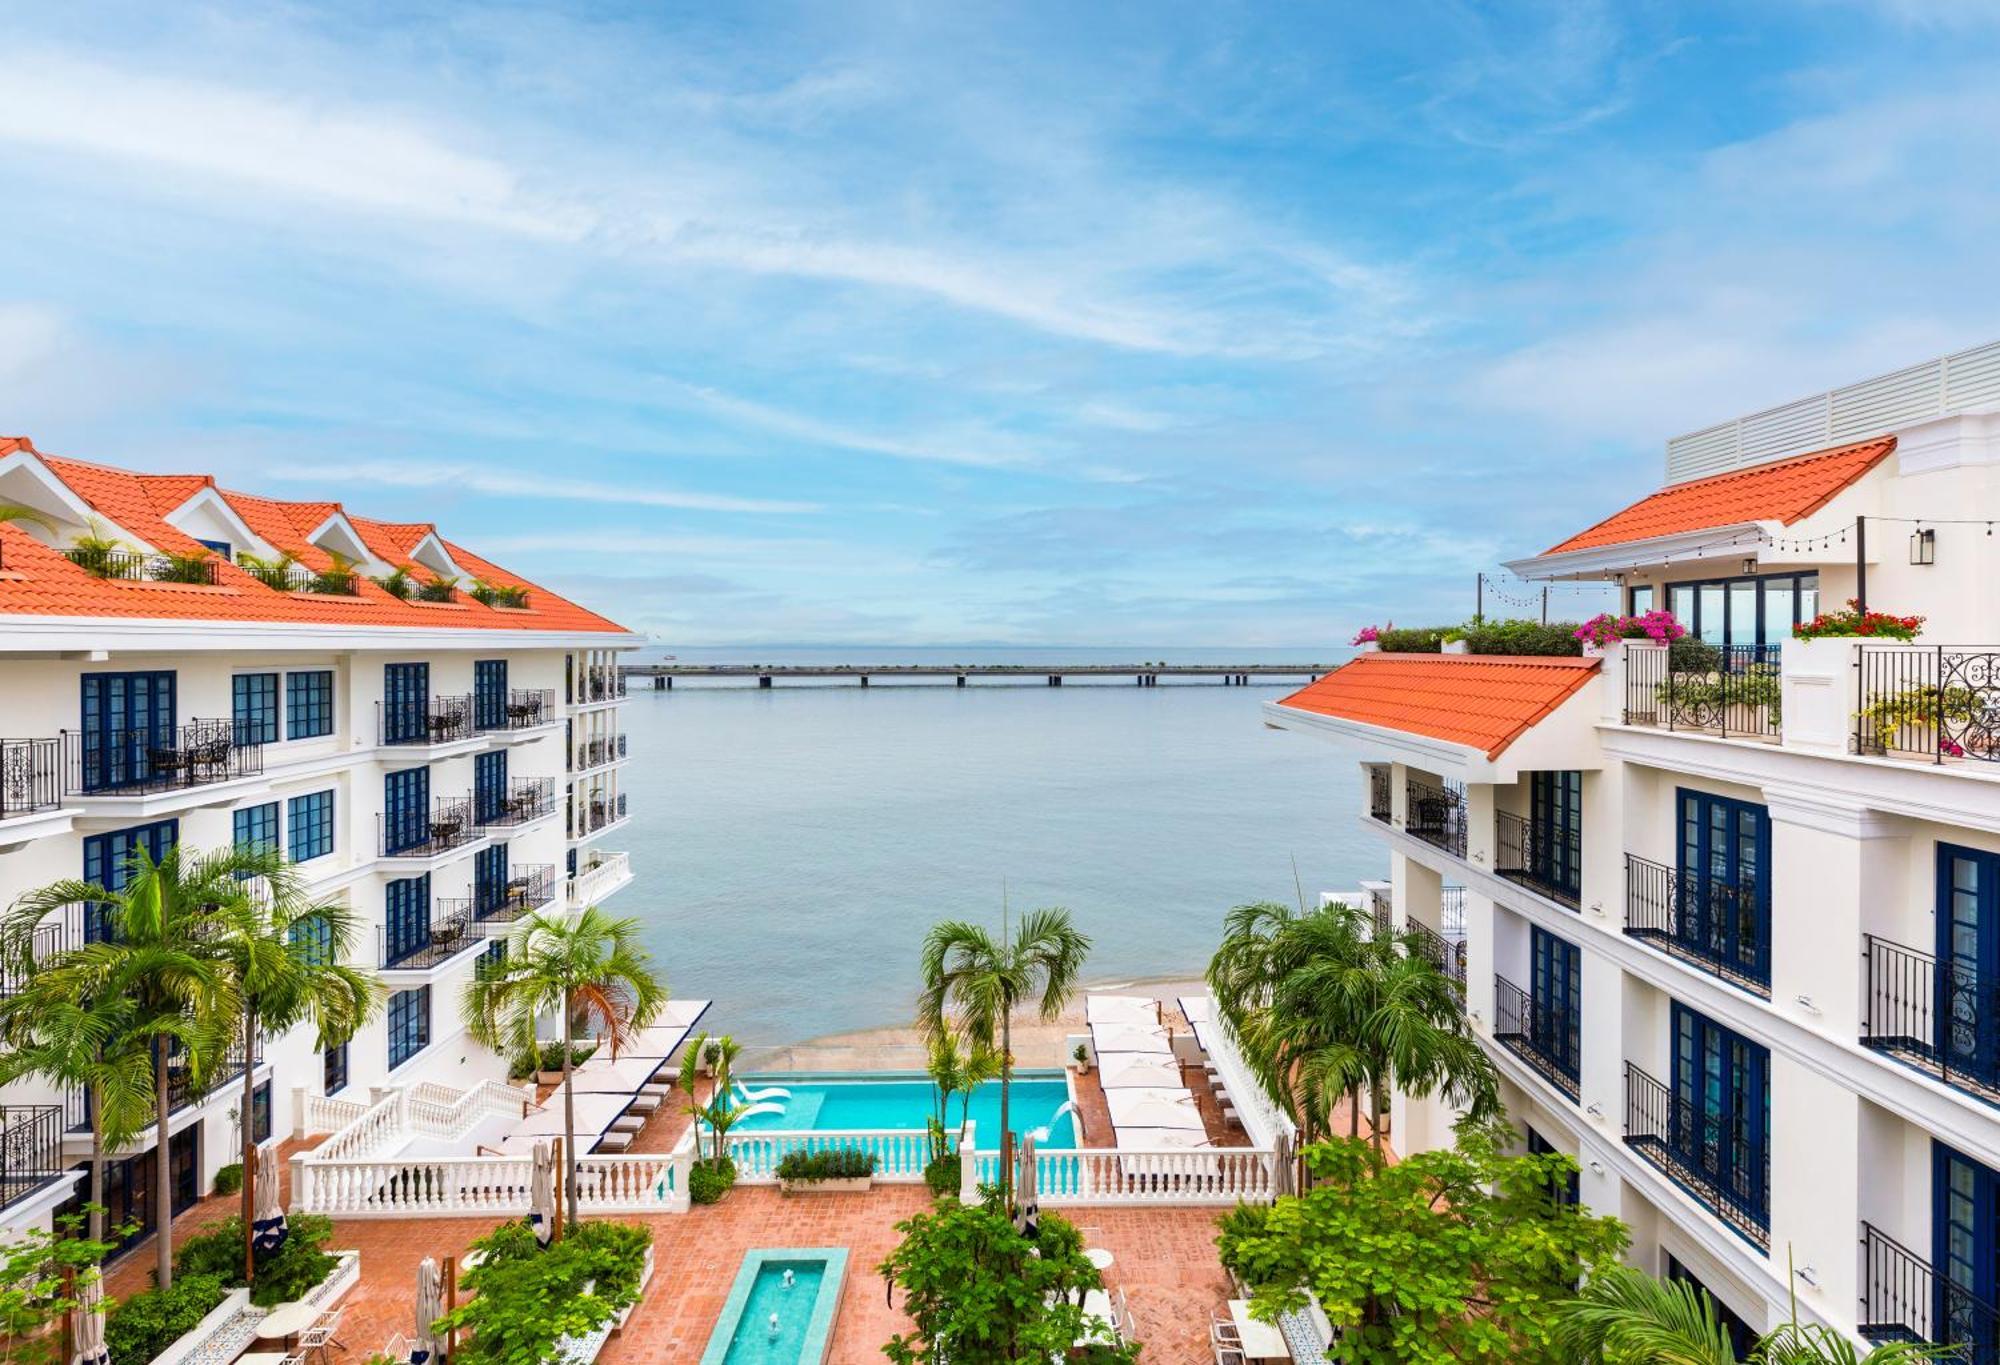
(979, 448)
(496, 482)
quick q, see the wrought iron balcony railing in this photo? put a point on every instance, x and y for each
(30, 1149)
(147, 762)
(1903, 1299)
(49, 938)
(1436, 815)
(1678, 1140)
(30, 776)
(1447, 955)
(529, 707)
(1726, 690)
(451, 929)
(139, 566)
(602, 683)
(181, 1089)
(1938, 1017)
(595, 753)
(420, 833)
(423, 720)
(1721, 929)
(1529, 856)
(1451, 911)
(1378, 794)
(528, 887)
(1381, 908)
(1932, 702)
(595, 814)
(523, 799)
(1547, 1039)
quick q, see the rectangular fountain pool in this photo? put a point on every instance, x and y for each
(781, 1309)
(871, 1101)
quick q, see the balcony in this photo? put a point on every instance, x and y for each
(524, 800)
(50, 938)
(424, 720)
(181, 1089)
(1524, 855)
(446, 826)
(1547, 1039)
(1447, 955)
(596, 753)
(1379, 789)
(601, 875)
(1666, 1132)
(602, 682)
(1935, 1016)
(527, 889)
(514, 710)
(148, 762)
(1930, 702)
(1436, 815)
(596, 814)
(31, 1156)
(1730, 691)
(1903, 1299)
(1711, 926)
(451, 929)
(30, 776)
(138, 566)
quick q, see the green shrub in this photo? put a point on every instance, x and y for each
(282, 1277)
(1689, 655)
(526, 1298)
(229, 1179)
(941, 1174)
(709, 1180)
(829, 1163)
(183, 568)
(1410, 639)
(1523, 637)
(143, 1326)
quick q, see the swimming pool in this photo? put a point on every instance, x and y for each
(822, 1102)
(781, 1309)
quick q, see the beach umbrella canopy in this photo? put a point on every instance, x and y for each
(429, 1308)
(1130, 1038)
(87, 1324)
(1199, 1009)
(268, 1232)
(1141, 1010)
(1027, 1212)
(1156, 1139)
(1153, 1109)
(542, 1194)
(1139, 1070)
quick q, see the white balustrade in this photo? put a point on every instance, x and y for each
(441, 1112)
(591, 884)
(1164, 1176)
(483, 1186)
(321, 1114)
(380, 1124)
(900, 1153)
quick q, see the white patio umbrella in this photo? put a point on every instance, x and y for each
(1153, 1109)
(1281, 1165)
(1140, 1070)
(542, 1194)
(1027, 1209)
(429, 1308)
(268, 1232)
(1130, 1038)
(1199, 1009)
(87, 1324)
(1142, 1010)
(1156, 1139)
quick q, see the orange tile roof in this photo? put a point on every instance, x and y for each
(1782, 492)
(40, 581)
(1482, 701)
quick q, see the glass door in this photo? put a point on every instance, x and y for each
(1964, 1213)
(1721, 1121)
(126, 719)
(1968, 956)
(406, 695)
(1724, 909)
(1556, 974)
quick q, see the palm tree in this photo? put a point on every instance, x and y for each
(286, 958)
(70, 1024)
(159, 954)
(273, 572)
(399, 582)
(721, 1111)
(976, 984)
(592, 971)
(1623, 1317)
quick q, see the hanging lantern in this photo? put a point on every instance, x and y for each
(1923, 546)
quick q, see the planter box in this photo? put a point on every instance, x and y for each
(1455, 647)
(853, 1185)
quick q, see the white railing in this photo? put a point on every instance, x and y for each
(483, 1186)
(439, 1111)
(900, 1153)
(1262, 1119)
(319, 1114)
(1217, 1175)
(381, 1123)
(591, 884)
(1853, 412)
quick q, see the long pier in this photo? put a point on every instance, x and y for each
(1052, 675)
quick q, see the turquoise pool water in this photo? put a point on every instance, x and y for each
(781, 1309)
(819, 1103)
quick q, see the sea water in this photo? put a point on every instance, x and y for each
(792, 845)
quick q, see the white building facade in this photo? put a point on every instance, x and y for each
(444, 758)
(1728, 916)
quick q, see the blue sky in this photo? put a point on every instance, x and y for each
(1143, 324)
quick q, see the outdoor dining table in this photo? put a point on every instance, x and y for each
(1261, 1340)
(286, 1321)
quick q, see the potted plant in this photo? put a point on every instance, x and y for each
(1368, 639)
(1081, 1055)
(1452, 641)
(829, 1170)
